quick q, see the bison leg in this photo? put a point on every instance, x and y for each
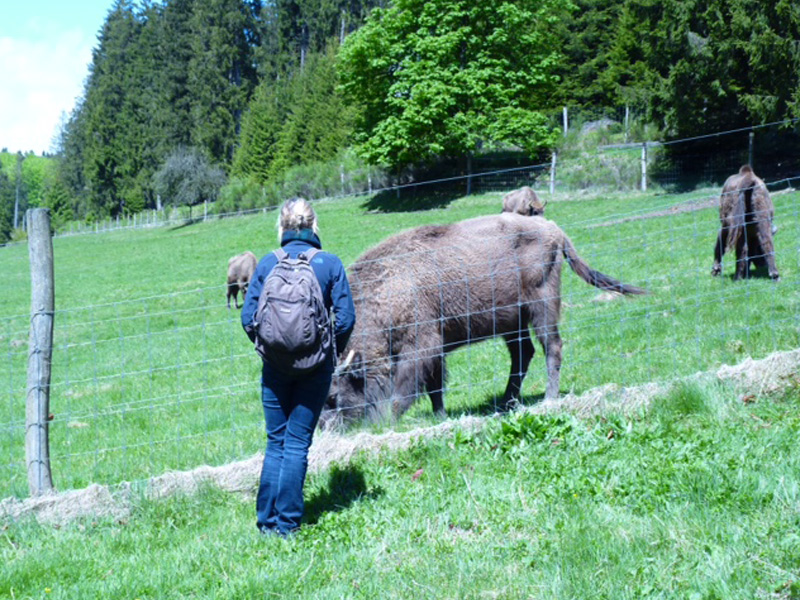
(550, 339)
(236, 291)
(742, 258)
(434, 385)
(764, 233)
(407, 377)
(243, 289)
(521, 349)
(719, 250)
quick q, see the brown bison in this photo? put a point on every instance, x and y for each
(427, 291)
(240, 270)
(746, 213)
(523, 201)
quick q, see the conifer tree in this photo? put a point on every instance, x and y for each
(112, 146)
(221, 73)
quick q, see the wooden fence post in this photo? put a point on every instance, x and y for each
(553, 173)
(40, 352)
(469, 174)
(644, 166)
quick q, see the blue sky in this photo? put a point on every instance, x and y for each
(45, 51)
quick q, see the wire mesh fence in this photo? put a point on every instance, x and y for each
(167, 382)
(148, 384)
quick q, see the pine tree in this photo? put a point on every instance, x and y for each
(175, 50)
(261, 127)
(113, 143)
(300, 120)
(221, 73)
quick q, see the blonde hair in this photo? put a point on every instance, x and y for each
(296, 214)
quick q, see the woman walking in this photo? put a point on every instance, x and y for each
(293, 401)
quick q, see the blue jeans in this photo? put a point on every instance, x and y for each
(292, 405)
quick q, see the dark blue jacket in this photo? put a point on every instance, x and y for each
(330, 274)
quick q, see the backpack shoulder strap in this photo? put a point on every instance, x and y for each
(311, 253)
(280, 254)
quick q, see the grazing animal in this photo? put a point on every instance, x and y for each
(746, 213)
(524, 201)
(425, 292)
(240, 270)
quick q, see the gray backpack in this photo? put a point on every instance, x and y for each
(293, 328)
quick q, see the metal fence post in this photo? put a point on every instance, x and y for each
(40, 351)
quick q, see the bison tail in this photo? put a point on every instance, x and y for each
(596, 278)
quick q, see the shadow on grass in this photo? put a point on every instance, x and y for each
(492, 404)
(755, 272)
(186, 223)
(414, 199)
(346, 484)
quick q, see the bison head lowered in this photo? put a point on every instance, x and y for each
(524, 201)
(425, 292)
(746, 217)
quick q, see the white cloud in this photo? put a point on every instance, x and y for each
(39, 81)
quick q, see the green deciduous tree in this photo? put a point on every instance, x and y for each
(444, 77)
(187, 178)
(6, 207)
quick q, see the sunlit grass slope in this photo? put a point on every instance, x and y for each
(151, 372)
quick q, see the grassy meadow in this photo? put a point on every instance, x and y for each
(151, 371)
(697, 498)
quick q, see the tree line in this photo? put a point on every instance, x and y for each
(194, 100)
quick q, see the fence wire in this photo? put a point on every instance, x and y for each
(168, 382)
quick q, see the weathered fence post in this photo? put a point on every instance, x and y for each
(627, 120)
(469, 174)
(565, 118)
(40, 351)
(750, 140)
(553, 173)
(644, 166)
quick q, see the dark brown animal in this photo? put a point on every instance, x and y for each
(427, 291)
(746, 213)
(240, 270)
(523, 201)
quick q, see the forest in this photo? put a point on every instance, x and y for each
(242, 101)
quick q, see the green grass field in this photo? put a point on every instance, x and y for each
(151, 372)
(697, 498)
